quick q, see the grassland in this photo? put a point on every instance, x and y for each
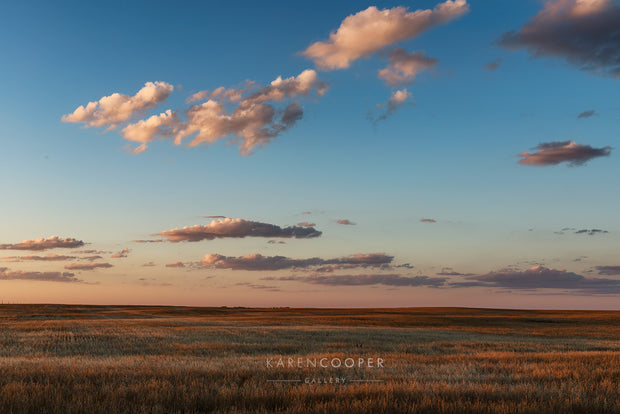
(122, 359)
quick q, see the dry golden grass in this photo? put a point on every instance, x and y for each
(125, 359)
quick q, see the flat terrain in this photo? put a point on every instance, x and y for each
(134, 359)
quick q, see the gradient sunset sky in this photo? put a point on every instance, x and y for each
(312, 154)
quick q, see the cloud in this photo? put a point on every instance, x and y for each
(237, 228)
(608, 270)
(253, 121)
(251, 116)
(112, 110)
(53, 242)
(591, 232)
(540, 277)
(428, 220)
(368, 31)
(258, 262)
(122, 253)
(587, 114)
(582, 32)
(149, 264)
(215, 217)
(404, 66)
(175, 264)
(260, 287)
(397, 99)
(306, 212)
(306, 224)
(448, 271)
(276, 242)
(88, 251)
(493, 66)
(346, 222)
(47, 258)
(6, 274)
(87, 266)
(366, 280)
(553, 153)
(148, 241)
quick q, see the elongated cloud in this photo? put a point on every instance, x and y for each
(47, 258)
(366, 280)
(306, 224)
(587, 114)
(582, 32)
(87, 266)
(404, 66)
(251, 116)
(53, 242)
(553, 153)
(175, 264)
(237, 228)
(7, 274)
(121, 254)
(540, 277)
(259, 262)
(112, 110)
(428, 220)
(346, 222)
(368, 31)
(608, 270)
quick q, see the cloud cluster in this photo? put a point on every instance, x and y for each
(404, 66)
(237, 228)
(368, 31)
(366, 280)
(553, 153)
(7, 274)
(53, 242)
(540, 277)
(582, 32)
(87, 266)
(251, 116)
(114, 109)
(258, 262)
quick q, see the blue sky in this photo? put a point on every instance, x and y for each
(447, 153)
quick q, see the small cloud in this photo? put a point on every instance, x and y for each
(53, 242)
(149, 264)
(87, 266)
(493, 66)
(447, 271)
(121, 254)
(428, 220)
(6, 274)
(553, 153)
(276, 242)
(237, 228)
(215, 217)
(396, 101)
(404, 66)
(587, 114)
(259, 287)
(306, 212)
(306, 224)
(175, 264)
(148, 241)
(346, 222)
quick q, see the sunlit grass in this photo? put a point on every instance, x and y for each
(63, 359)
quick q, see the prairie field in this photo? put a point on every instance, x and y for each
(148, 359)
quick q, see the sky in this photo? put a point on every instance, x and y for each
(317, 154)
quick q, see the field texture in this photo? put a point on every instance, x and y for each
(116, 359)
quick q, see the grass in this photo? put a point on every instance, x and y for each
(130, 359)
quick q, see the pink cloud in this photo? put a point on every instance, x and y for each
(175, 264)
(404, 67)
(7, 274)
(368, 31)
(53, 242)
(346, 222)
(114, 109)
(553, 153)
